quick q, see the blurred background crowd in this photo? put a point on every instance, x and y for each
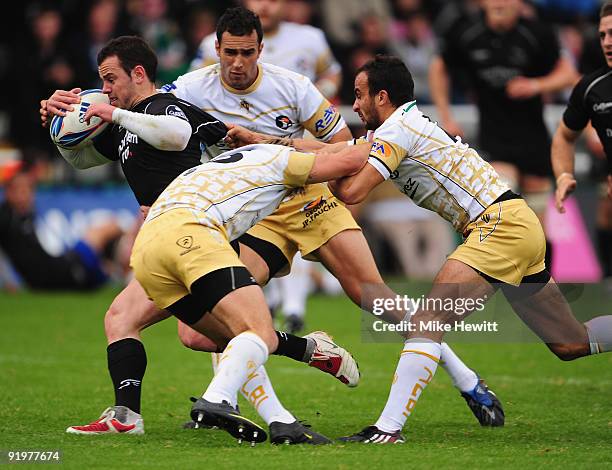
(49, 45)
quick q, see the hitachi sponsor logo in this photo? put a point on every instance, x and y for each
(602, 107)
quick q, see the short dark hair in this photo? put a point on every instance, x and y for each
(606, 10)
(131, 51)
(390, 74)
(239, 21)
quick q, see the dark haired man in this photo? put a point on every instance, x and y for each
(504, 241)
(590, 102)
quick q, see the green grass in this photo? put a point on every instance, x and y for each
(53, 374)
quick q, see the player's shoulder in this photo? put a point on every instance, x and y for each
(602, 77)
(278, 73)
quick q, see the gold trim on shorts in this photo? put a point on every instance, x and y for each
(505, 242)
(173, 250)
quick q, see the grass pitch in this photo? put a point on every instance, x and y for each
(53, 375)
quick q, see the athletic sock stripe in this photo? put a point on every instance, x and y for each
(433, 358)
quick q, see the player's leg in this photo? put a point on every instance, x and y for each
(348, 257)
(421, 352)
(543, 307)
(130, 312)
(295, 288)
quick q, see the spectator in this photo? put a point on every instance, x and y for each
(163, 35)
(78, 268)
(43, 63)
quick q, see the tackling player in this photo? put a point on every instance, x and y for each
(504, 242)
(269, 99)
(183, 259)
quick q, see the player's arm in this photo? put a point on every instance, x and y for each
(100, 151)
(238, 136)
(439, 89)
(163, 132)
(562, 157)
(331, 166)
(562, 76)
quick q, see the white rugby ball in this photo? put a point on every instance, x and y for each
(71, 131)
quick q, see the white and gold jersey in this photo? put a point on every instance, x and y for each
(300, 48)
(436, 171)
(237, 189)
(279, 102)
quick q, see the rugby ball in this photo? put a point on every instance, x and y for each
(71, 131)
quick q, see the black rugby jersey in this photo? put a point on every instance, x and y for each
(488, 60)
(149, 170)
(591, 100)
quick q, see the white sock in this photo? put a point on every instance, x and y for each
(599, 330)
(243, 355)
(259, 392)
(216, 358)
(295, 288)
(464, 378)
(416, 367)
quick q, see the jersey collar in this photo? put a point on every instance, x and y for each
(248, 90)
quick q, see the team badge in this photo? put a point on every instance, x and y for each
(283, 122)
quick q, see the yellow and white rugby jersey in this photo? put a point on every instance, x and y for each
(435, 171)
(300, 48)
(237, 189)
(279, 102)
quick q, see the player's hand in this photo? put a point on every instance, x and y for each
(103, 110)
(144, 210)
(238, 136)
(44, 114)
(333, 186)
(522, 88)
(61, 101)
(566, 184)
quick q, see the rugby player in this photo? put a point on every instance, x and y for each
(504, 242)
(590, 102)
(271, 100)
(183, 259)
(156, 140)
(511, 62)
(297, 47)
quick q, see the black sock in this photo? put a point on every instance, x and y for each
(293, 346)
(548, 256)
(127, 362)
(604, 239)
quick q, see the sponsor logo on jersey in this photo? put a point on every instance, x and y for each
(328, 117)
(315, 208)
(82, 110)
(602, 108)
(283, 122)
(174, 110)
(186, 242)
(380, 149)
(168, 87)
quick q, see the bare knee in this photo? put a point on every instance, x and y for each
(569, 352)
(197, 341)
